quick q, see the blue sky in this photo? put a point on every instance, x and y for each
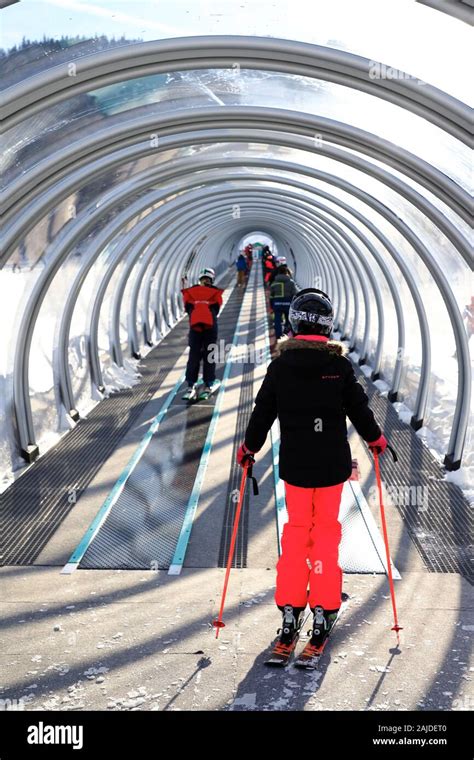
(54, 18)
(150, 19)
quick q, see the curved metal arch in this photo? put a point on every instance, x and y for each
(122, 247)
(164, 286)
(417, 419)
(218, 239)
(128, 240)
(360, 264)
(461, 411)
(98, 245)
(210, 225)
(138, 287)
(387, 213)
(232, 193)
(206, 52)
(117, 351)
(347, 307)
(461, 414)
(238, 123)
(18, 227)
(460, 10)
(159, 243)
(354, 262)
(66, 319)
(422, 393)
(391, 286)
(209, 209)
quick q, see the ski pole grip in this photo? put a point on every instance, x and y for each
(252, 477)
(248, 459)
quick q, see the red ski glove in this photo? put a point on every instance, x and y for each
(379, 445)
(244, 455)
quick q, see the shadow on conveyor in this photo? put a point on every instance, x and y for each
(268, 690)
(434, 510)
(144, 524)
(199, 658)
(213, 526)
(37, 503)
(290, 689)
(114, 660)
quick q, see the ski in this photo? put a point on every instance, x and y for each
(190, 394)
(200, 392)
(308, 658)
(206, 392)
(281, 653)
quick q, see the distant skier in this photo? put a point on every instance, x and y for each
(279, 262)
(269, 265)
(282, 290)
(311, 387)
(248, 253)
(202, 302)
(242, 269)
(265, 253)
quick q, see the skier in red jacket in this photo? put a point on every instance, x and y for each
(202, 302)
(311, 387)
(269, 266)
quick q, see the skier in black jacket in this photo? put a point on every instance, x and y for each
(282, 290)
(311, 388)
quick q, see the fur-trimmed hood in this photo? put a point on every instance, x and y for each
(331, 346)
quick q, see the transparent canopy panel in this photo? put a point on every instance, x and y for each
(35, 243)
(403, 34)
(92, 112)
(124, 118)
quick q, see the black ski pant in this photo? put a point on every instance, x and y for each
(280, 308)
(199, 343)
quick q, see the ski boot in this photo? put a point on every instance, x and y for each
(288, 635)
(323, 622)
(207, 390)
(205, 393)
(190, 394)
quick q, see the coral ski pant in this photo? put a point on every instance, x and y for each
(310, 549)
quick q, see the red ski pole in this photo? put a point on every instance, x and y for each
(218, 624)
(395, 627)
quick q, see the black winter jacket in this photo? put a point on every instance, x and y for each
(282, 289)
(311, 387)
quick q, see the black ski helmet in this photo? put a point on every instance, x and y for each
(311, 313)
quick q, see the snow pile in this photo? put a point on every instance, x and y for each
(116, 378)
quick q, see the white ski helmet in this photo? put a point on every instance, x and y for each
(281, 260)
(207, 272)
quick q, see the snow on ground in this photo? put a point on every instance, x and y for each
(50, 419)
